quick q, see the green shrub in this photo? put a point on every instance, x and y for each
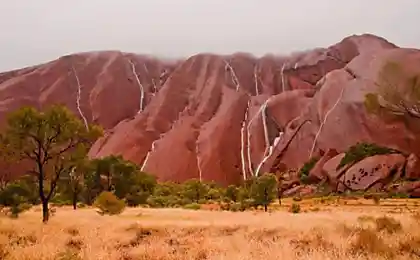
(295, 208)
(398, 195)
(194, 206)
(306, 168)
(18, 192)
(361, 151)
(109, 204)
(16, 209)
(194, 190)
(231, 193)
(236, 206)
(214, 194)
(81, 205)
(135, 199)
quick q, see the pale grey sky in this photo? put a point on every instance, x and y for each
(35, 31)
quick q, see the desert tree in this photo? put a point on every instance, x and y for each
(50, 142)
(72, 181)
(194, 190)
(231, 193)
(263, 190)
(398, 91)
(122, 177)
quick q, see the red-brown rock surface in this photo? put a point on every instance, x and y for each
(412, 169)
(317, 172)
(375, 171)
(221, 118)
(98, 86)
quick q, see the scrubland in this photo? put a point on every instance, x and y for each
(325, 228)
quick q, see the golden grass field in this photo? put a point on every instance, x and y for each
(325, 229)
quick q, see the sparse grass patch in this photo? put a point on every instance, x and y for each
(388, 224)
(366, 218)
(74, 244)
(72, 231)
(368, 242)
(411, 246)
(68, 255)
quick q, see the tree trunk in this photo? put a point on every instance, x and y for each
(74, 200)
(45, 211)
(265, 207)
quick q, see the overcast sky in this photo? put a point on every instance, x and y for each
(35, 31)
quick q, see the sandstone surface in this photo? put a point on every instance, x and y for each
(223, 118)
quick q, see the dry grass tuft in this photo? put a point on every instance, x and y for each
(367, 242)
(388, 224)
(72, 231)
(74, 244)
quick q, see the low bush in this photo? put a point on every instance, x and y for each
(306, 168)
(388, 224)
(193, 206)
(109, 204)
(295, 208)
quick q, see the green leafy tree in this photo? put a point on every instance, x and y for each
(167, 194)
(214, 194)
(264, 190)
(231, 193)
(72, 182)
(194, 190)
(52, 142)
(92, 185)
(398, 91)
(105, 169)
(141, 188)
(123, 178)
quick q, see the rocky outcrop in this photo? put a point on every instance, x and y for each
(317, 173)
(100, 87)
(337, 117)
(222, 118)
(375, 171)
(410, 188)
(331, 171)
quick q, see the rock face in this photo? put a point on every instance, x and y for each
(222, 118)
(412, 169)
(101, 87)
(317, 172)
(375, 171)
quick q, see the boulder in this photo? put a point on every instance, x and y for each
(330, 171)
(317, 173)
(375, 171)
(301, 190)
(412, 169)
